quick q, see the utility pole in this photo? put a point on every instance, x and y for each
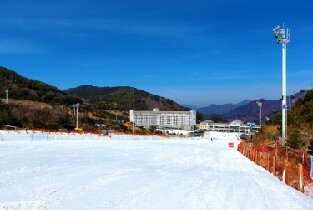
(75, 111)
(260, 106)
(282, 36)
(7, 96)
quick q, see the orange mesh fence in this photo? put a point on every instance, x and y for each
(289, 165)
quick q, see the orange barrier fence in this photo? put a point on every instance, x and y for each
(96, 132)
(289, 165)
(80, 135)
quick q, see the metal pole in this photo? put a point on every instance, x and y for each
(260, 115)
(284, 93)
(260, 107)
(77, 116)
(7, 96)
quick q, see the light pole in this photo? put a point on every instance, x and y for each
(282, 36)
(260, 106)
(7, 95)
(75, 108)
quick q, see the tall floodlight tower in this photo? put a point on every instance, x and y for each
(282, 36)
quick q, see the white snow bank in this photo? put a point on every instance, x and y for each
(22, 135)
(155, 174)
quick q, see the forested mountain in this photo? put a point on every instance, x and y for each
(122, 98)
(34, 104)
(22, 88)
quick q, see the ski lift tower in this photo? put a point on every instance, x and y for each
(282, 36)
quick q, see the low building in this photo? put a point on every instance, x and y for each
(205, 125)
(183, 120)
(236, 126)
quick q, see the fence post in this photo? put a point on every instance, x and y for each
(268, 163)
(274, 166)
(285, 172)
(253, 155)
(300, 172)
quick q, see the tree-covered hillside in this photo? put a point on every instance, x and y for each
(299, 125)
(34, 104)
(22, 88)
(122, 98)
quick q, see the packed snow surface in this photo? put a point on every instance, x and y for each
(173, 174)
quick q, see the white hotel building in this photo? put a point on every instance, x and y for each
(185, 120)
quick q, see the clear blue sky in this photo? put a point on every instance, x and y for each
(194, 52)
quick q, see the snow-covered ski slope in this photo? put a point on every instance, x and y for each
(163, 174)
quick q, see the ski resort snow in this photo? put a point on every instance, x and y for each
(49, 171)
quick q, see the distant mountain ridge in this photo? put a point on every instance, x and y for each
(248, 110)
(251, 111)
(220, 110)
(190, 107)
(270, 109)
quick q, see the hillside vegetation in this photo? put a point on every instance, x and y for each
(122, 98)
(34, 104)
(299, 125)
(22, 88)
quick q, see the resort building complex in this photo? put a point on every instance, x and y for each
(184, 120)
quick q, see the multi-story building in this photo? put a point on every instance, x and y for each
(185, 120)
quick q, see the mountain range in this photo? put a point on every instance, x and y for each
(249, 110)
(36, 104)
(214, 109)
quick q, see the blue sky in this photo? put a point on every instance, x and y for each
(194, 52)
